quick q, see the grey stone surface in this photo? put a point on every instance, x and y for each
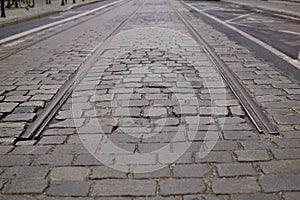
(254, 196)
(124, 187)
(26, 187)
(25, 172)
(280, 166)
(280, 182)
(170, 187)
(68, 188)
(196, 171)
(232, 186)
(235, 169)
(252, 155)
(69, 173)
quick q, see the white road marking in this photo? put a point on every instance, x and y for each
(290, 32)
(288, 59)
(28, 32)
(238, 17)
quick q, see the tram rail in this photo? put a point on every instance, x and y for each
(252, 109)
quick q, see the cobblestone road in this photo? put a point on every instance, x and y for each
(152, 119)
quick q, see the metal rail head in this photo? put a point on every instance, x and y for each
(253, 111)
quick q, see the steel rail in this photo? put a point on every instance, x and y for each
(253, 111)
(36, 128)
(101, 12)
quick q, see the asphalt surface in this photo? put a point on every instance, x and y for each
(281, 33)
(31, 24)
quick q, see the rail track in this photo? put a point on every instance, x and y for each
(35, 129)
(253, 111)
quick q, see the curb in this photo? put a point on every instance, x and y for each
(44, 14)
(274, 10)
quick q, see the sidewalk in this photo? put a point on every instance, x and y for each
(290, 8)
(17, 15)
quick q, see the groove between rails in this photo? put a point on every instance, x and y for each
(238, 90)
(36, 128)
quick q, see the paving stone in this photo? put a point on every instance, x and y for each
(104, 172)
(15, 160)
(254, 196)
(89, 160)
(54, 159)
(17, 98)
(291, 134)
(67, 198)
(291, 195)
(155, 112)
(5, 149)
(54, 131)
(41, 97)
(194, 170)
(239, 135)
(25, 109)
(31, 150)
(203, 197)
(287, 119)
(185, 110)
(135, 103)
(195, 120)
(280, 183)
(167, 122)
(124, 188)
(68, 188)
(213, 111)
(48, 140)
(147, 171)
(69, 173)
(127, 112)
(69, 114)
(286, 153)
(16, 197)
(40, 104)
(25, 172)
(280, 167)
(233, 186)
(252, 155)
(70, 149)
(235, 169)
(137, 159)
(26, 187)
(257, 144)
(170, 187)
(214, 156)
(167, 102)
(27, 117)
(288, 143)
(68, 123)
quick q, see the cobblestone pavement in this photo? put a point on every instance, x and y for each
(151, 120)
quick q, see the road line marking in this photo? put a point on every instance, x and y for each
(28, 32)
(290, 32)
(288, 59)
(238, 17)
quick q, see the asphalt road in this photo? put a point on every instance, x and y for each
(280, 33)
(28, 25)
